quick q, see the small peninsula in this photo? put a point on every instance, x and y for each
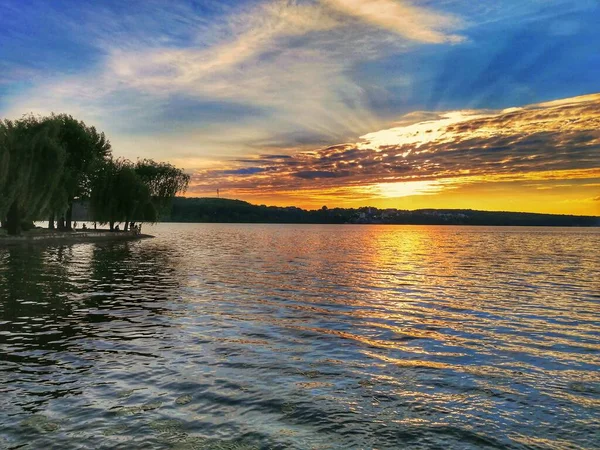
(41, 235)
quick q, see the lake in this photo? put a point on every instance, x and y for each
(227, 336)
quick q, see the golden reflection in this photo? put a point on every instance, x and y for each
(416, 285)
(480, 370)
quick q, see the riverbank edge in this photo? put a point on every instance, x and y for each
(70, 237)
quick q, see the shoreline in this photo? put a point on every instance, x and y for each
(71, 236)
(433, 224)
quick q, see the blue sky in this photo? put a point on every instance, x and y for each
(207, 83)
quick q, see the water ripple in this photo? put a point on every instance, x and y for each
(260, 336)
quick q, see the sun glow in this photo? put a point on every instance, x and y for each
(418, 133)
(407, 188)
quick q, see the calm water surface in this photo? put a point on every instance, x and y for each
(268, 336)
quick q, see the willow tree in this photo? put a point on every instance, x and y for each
(164, 182)
(85, 148)
(32, 165)
(4, 164)
(119, 195)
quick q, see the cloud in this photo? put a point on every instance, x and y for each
(288, 63)
(245, 171)
(401, 17)
(167, 69)
(317, 174)
(551, 141)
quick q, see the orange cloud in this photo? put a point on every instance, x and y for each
(557, 140)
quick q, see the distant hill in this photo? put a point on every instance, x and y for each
(237, 211)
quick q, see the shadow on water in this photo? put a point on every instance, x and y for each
(68, 313)
(83, 334)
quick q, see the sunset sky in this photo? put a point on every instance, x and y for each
(390, 103)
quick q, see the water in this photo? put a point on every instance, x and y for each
(310, 337)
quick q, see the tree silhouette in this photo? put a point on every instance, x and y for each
(47, 163)
(164, 182)
(85, 148)
(32, 163)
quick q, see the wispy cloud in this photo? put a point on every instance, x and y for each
(403, 18)
(290, 62)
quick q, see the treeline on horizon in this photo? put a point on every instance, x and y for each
(237, 211)
(49, 163)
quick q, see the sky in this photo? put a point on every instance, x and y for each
(387, 103)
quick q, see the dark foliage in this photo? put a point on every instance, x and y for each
(224, 210)
(47, 164)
